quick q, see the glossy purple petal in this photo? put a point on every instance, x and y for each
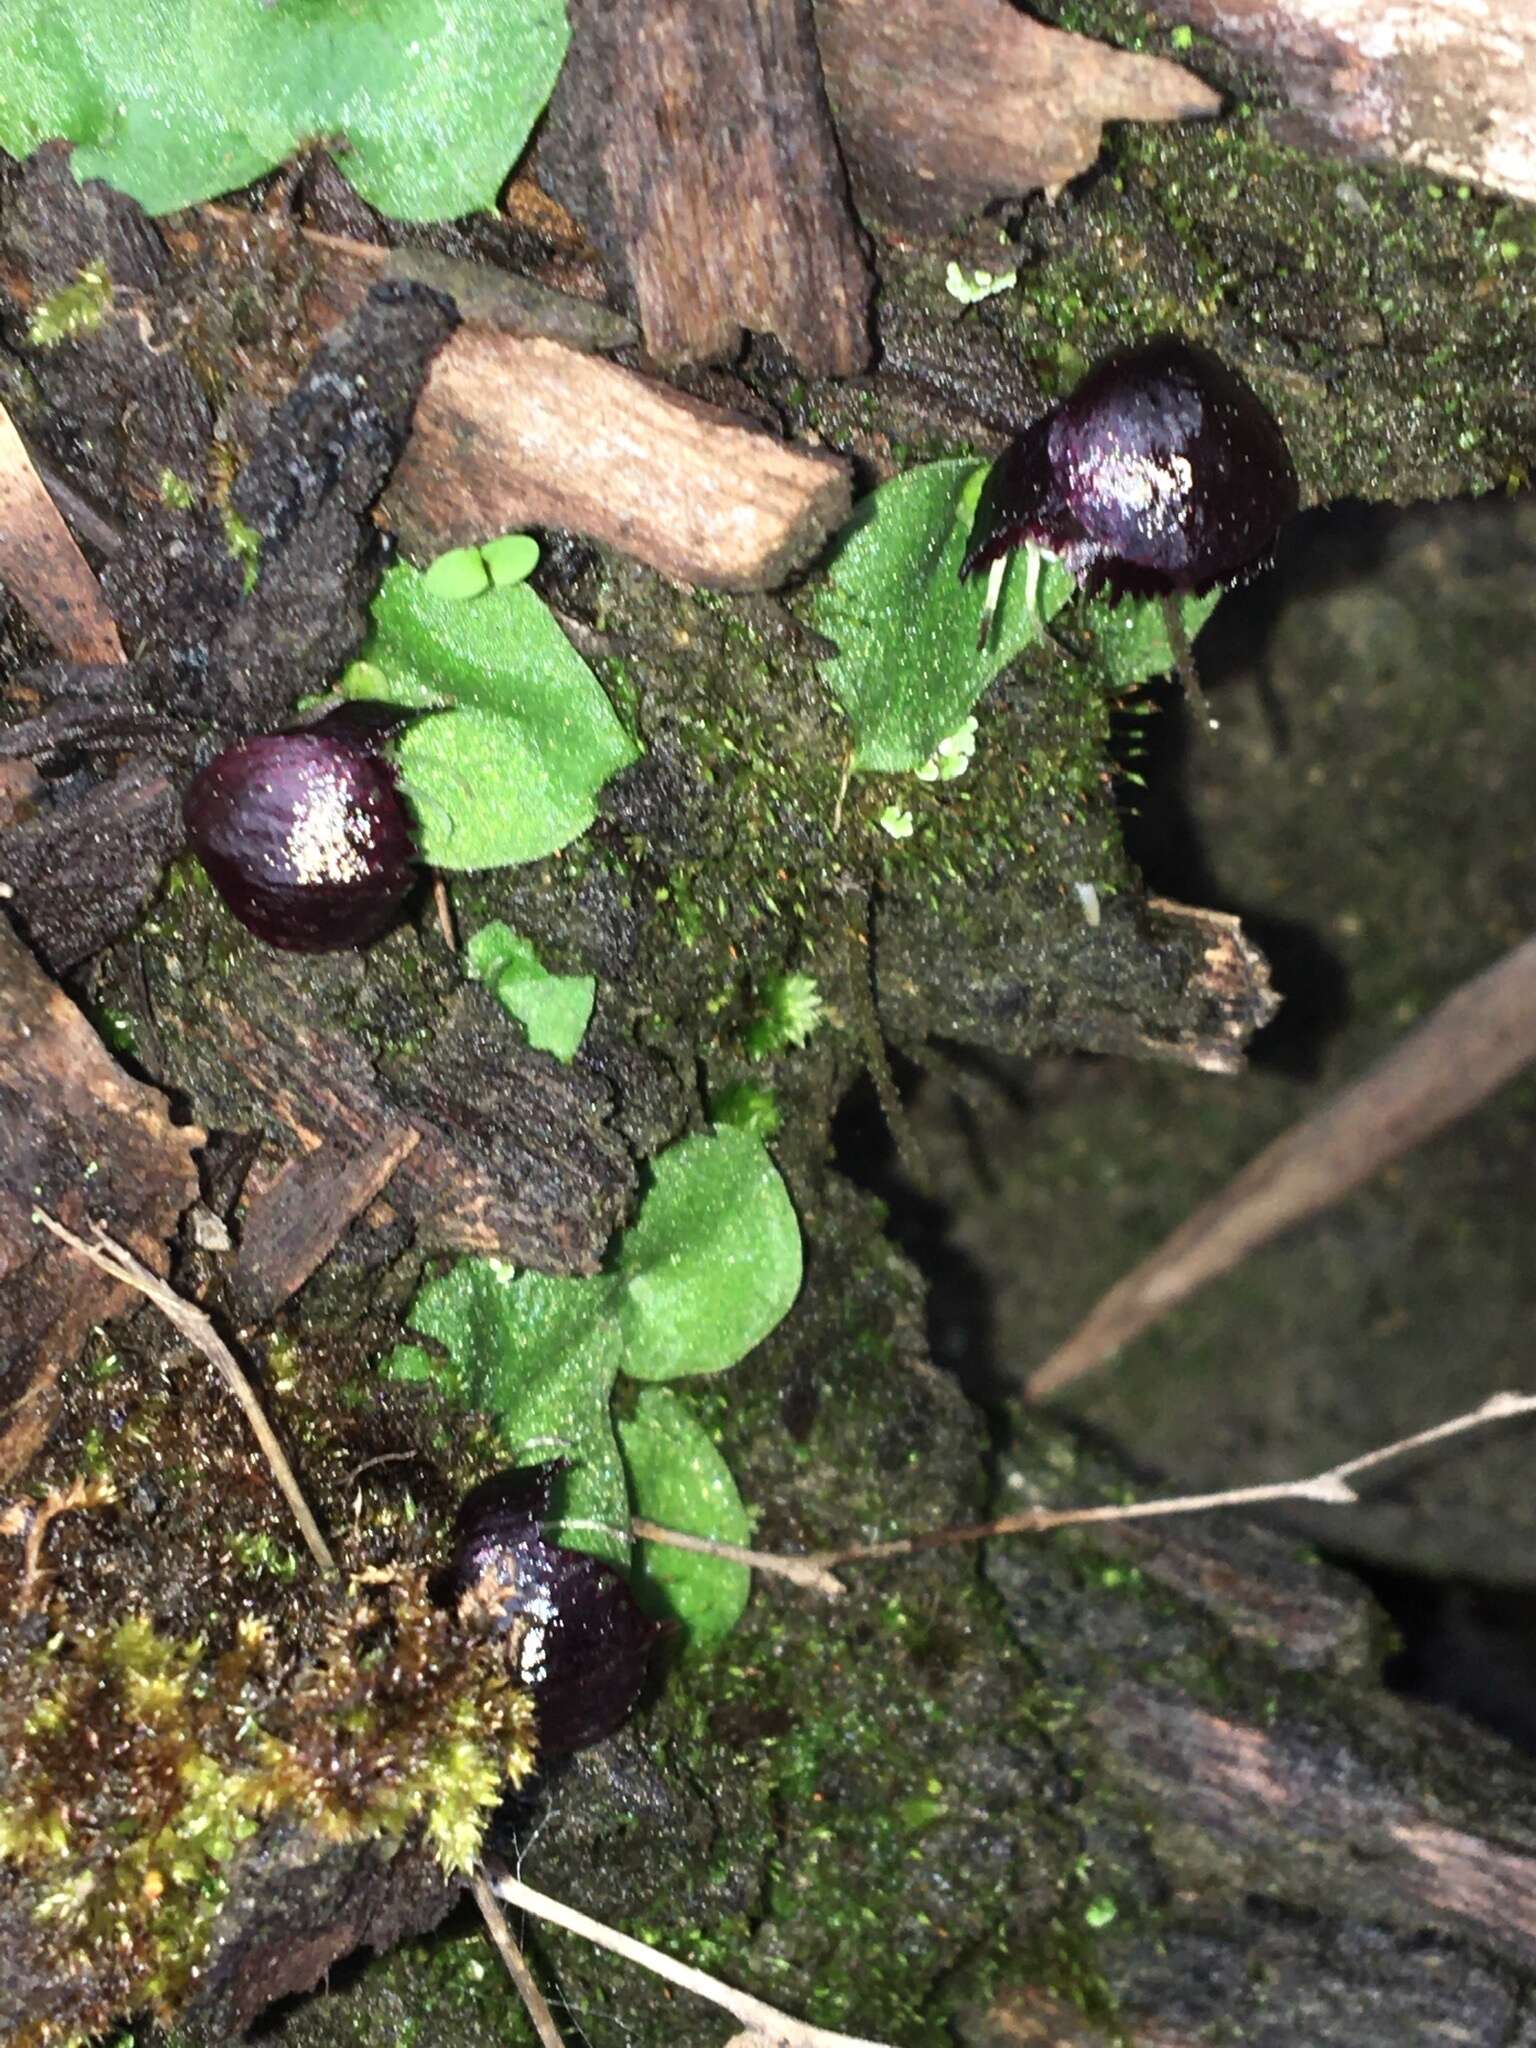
(1162, 473)
(372, 725)
(1021, 502)
(579, 1640)
(305, 836)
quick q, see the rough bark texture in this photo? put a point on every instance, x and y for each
(77, 1137)
(693, 141)
(494, 1148)
(1447, 86)
(943, 105)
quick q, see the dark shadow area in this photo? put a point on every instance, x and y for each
(1465, 1646)
(1342, 545)
(962, 1336)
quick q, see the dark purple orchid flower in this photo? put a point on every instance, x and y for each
(1161, 475)
(304, 834)
(577, 1637)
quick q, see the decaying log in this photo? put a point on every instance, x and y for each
(1294, 1814)
(521, 424)
(78, 1134)
(487, 1146)
(295, 1908)
(943, 105)
(343, 268)
(1206, 989)
(80, 874)
(295, 1219)
(1474, 1042)
(693, 142)
(1445, 85)
(516, 433)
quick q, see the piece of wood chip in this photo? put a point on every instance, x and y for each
(513, 433)
(693, 142)
(294, 1218)
(41, 565)
(76, 1133)
(943, 105)
(1448, 86)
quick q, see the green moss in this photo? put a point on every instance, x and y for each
(244, 543)
(72, 311)
(140, 1764)
(1371, 307)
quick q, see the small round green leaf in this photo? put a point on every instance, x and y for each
(713, 1262)
(511, 767)
(677, 1478)
(512, 559)
(459, 574)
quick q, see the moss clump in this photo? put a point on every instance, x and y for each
(75, 309)
(139, 1765)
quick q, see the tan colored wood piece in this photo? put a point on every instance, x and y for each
(943, 105)
(41, 565)
(512, 433)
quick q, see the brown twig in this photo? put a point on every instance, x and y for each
(815, 1569)
(800, 1571)
(763, 2022)
(113, 1258)
(517, 1967)
(1469, 1046)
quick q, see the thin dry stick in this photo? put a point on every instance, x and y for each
(814, 1569)
(114, 1259)
(517, 1967)
(1469, 1046)
(763, 2022)
(443, 904)
(800, 1571)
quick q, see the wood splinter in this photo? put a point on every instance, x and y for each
(512, 433)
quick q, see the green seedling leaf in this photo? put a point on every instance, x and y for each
(712, 1264)
(908, 669)
(554, 1009)
(512, 559)
(679, 1479)
(511, 769)
(175, 101)
(970, 287)
(789, 1009)
(458, 575)
(1133, 638)
(540, 1354)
